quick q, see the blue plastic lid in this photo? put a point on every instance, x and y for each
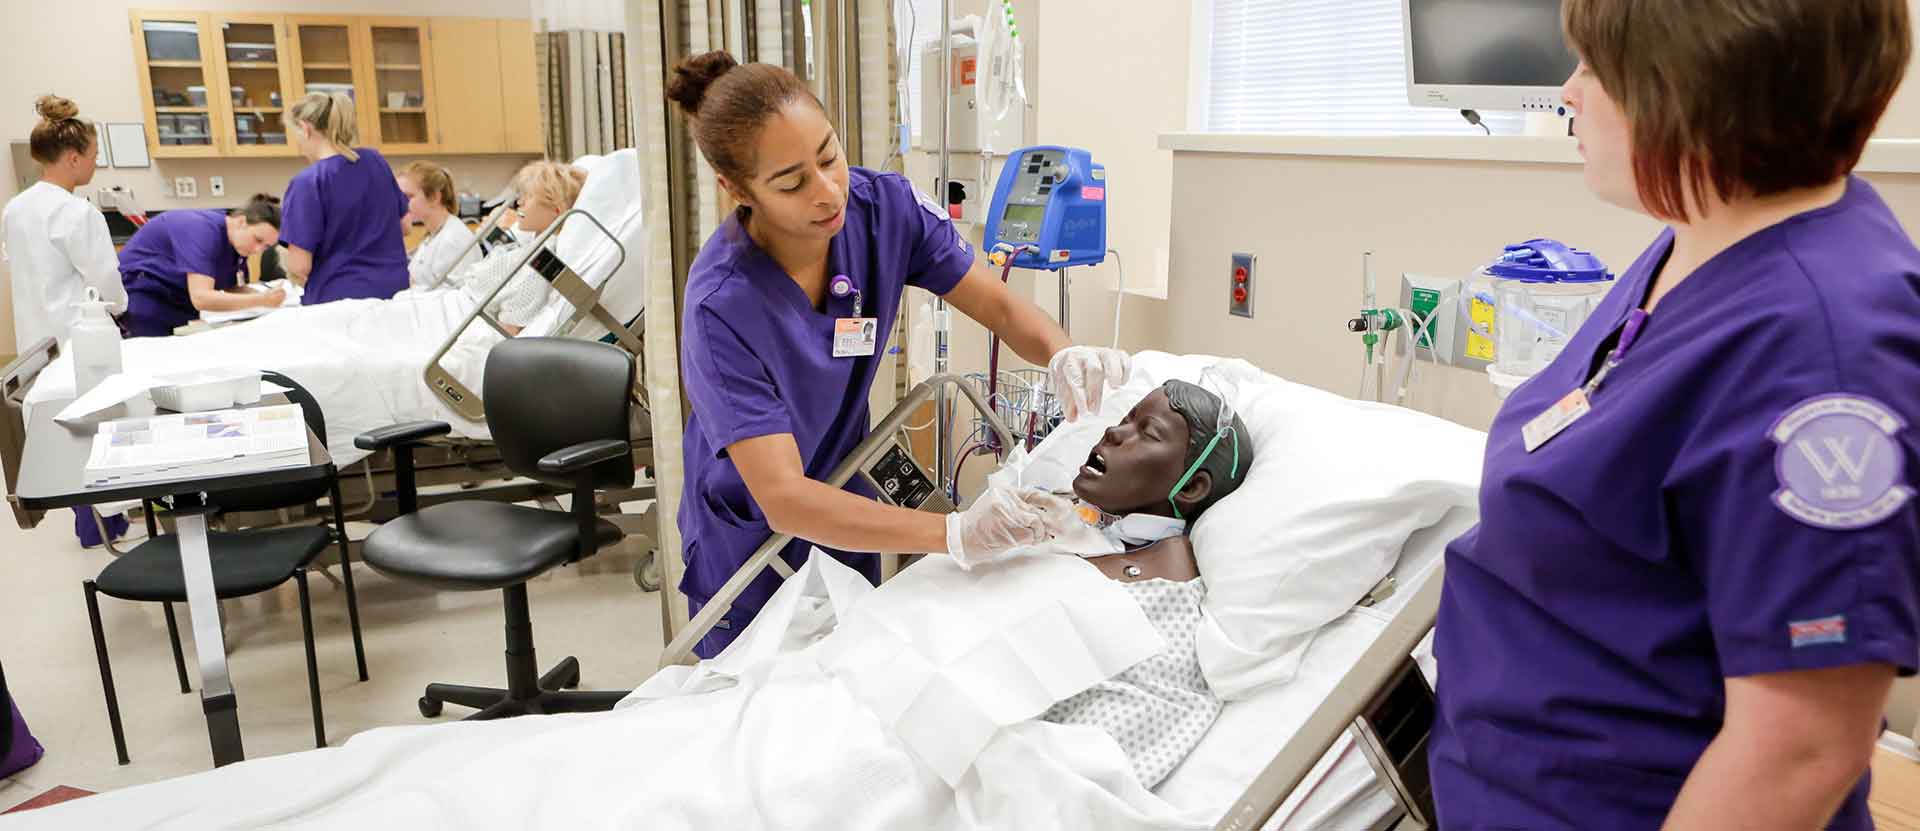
(1549, 261)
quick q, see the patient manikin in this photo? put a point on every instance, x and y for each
(1149, 477)
(548, 189)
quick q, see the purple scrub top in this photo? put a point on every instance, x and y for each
(154, 266)
(1738, 502)
(757, 360)
(347, 214)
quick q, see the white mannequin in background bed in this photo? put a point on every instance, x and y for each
(547, 190)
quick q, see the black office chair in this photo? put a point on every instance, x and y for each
(558, 411)
(244, 563)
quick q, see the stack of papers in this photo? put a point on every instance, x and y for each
(294, 292)
(138, 451)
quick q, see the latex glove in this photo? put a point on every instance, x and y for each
(1081, 375)
(1003, 519)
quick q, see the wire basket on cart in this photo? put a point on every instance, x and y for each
(1024, 402)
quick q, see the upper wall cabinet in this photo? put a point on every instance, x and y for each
(219, 84)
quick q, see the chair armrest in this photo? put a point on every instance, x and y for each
(586, 454)
(412, 432)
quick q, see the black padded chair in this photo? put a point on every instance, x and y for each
(565, 423)
(244, 563)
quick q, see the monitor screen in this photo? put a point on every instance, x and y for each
(1031, 214)
(1511, 43)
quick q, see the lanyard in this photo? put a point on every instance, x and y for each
(1628, 334)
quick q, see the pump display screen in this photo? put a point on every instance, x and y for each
(1030, 214)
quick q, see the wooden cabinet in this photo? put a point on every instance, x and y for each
(174, 57)
(218, 84)
(327, 58)
(519, 90)
(466, 59)
(254, 57)
(402, 72)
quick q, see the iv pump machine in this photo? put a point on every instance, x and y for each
(1049, 209)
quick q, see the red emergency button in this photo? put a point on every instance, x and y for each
(1240, 274)
(1239, 294)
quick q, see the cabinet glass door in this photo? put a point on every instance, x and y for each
(329, 62)
(177, 75)
(400, 83)
(256, 58)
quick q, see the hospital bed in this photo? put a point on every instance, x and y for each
(373, 363)
(1350, 735)
(1335, 747)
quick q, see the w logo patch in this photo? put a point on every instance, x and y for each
(1840, 463)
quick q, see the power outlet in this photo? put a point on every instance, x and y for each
(216, 186)
(1240, 286)
(184, 187)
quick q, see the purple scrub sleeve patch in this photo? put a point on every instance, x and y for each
(1838, 463)
(1826, 630)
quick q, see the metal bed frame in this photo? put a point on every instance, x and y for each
(1383, 698)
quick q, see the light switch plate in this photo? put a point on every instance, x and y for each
(184, 187)
(217, 186)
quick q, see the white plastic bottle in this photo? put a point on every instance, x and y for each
(95, 344)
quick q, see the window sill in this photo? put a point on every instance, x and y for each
(1882, 156)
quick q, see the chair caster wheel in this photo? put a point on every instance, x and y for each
(647, 574)
(429, 707)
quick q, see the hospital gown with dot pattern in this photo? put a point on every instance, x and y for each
(1158, 709)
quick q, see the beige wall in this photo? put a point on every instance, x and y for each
(84, 52)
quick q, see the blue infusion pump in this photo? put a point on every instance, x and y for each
(1051, 207)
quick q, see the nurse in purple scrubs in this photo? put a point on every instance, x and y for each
(776, 354)
(342, 226)
(186, 262)
(1697, 572)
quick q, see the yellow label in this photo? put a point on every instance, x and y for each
(1479, 346)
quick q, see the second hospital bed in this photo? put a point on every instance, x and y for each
(371, 363)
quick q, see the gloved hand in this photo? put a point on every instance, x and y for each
(1003, 519)
(1081, 375)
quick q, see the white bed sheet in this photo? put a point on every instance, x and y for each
(1342, 793)
(361, 359)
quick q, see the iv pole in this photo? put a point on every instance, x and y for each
(942, 318)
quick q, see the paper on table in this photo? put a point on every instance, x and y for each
(122, 387)
(293, 290)
(117, 388)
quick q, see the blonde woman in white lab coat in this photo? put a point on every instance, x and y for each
(57, 246)
(430, 202)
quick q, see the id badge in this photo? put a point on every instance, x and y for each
(1556, 419)
(855, 337)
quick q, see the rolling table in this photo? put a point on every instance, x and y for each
(52, 475)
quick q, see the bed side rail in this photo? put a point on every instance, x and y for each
(888, 467)
(15, 380)
(1368, 696)
(584, 298)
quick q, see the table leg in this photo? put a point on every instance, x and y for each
(216, 685)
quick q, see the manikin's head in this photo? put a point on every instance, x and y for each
(1140, 464)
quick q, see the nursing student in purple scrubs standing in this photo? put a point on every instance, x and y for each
(786, 307)
(342, 213)
(1697, 570)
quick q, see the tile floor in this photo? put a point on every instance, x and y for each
(413, 636)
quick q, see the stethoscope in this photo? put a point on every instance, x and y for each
(841, 287)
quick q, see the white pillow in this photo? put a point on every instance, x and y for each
(1336, 488)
